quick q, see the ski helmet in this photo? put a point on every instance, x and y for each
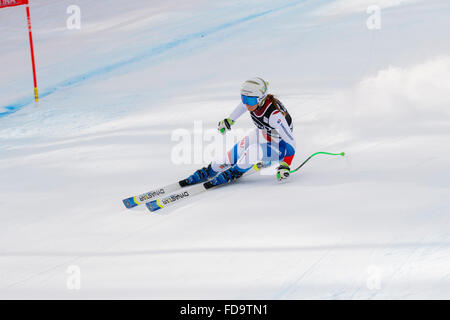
(255, 87)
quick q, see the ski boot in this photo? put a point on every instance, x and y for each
(200, 175)
(224, 177)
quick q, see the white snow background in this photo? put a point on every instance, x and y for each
(371, 225)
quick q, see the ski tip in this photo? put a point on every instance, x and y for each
(130, 202)
(154, 205)
(342, 153)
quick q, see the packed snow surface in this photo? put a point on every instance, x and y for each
(119, 95)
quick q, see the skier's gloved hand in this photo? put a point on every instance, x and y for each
(283, 171)
(225, 125)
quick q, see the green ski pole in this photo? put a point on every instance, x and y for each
(332, 154)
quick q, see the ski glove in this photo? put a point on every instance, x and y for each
(283, 171)
(225, 125)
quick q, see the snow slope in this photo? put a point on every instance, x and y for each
(114, 94)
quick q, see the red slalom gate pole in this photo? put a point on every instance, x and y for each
(36, 97)
(13, 3)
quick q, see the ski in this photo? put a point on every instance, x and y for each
(157, 193)
(150, 195)
(176, 197)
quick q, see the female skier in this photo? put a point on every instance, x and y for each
(272, 138)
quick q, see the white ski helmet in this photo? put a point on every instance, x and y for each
(255, 87)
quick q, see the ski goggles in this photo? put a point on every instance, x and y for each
(251, 101)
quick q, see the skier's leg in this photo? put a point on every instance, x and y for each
(257, 147)
(248, 158)
(219, 165)
(231, 157)
(281, 150)
(242, 156)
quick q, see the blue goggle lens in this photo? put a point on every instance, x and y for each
(251, 101)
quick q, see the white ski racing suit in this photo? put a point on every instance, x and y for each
(272, 140)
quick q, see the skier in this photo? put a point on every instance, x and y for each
(272, 139)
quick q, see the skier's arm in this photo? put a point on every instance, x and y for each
(226, 124)
(238, 111)
(278, 121)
